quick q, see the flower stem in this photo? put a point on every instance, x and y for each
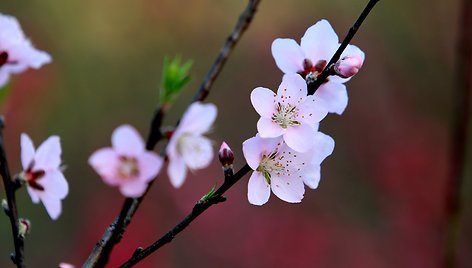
(12, 211)
(313, 86)
(101, 252)
(461, 120)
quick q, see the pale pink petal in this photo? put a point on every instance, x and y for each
(198, 118)
(269, 129)
(197, 151)
(299, 138)
(33, 194)
(66, 265)
(133, 188)
(177, 171)
(320, 42)
(105, 162)
(55, 185)
(288, 55)
(149, 166)
(263, 100)
(53, 207)
(311, 112)
(289, 189)
(258, 190)
(292, 90)
(252, 152)
(311, 176)
(27, 151)
(127, 141)
(333, 96)
(48, 155)
(323, 146)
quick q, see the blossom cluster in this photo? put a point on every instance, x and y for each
(288, 150)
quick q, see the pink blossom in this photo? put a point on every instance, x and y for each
(127, 164)
(308, 59)
(348, 66)
(276, 167)
(16, 51)
(289, 113)
(66, 265)
(188, 148)
(323, 146)
(42, 174)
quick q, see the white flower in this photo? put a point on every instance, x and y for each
(16, 52)
(188, 148)
(308, 59)
(290, 112)
(277, 168)
(42, 174)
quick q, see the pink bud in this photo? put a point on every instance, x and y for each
(348, 66)
(225, 155)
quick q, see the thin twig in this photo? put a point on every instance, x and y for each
(312, 87)
(101, 252)
(230, 179)
(12, 211)
(463, 87)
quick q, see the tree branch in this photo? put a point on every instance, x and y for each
(11, 211)
(101, 252)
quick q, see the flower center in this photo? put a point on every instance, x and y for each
(310, 71)
(271, 164)
(285, 115)
(31, 177)
(3, 58)
(128, 167)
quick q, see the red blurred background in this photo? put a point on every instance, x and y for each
(380, 202)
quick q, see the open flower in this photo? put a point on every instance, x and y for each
(276, 167)
(308, 59)
(323, 146)
(16, 52)
(126, 164)
(290, 112)
(188, 148)
(42, 174)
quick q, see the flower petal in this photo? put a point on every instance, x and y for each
(269, 129)
(27, 151)
(292, 90)
(289, 189)
(320, 42)
(198, 118)
(311, 112)
(311, 176)
(150, 165)
(333, 96)
(127, 141)
(288, 55)
(323, 146)
(48, 155)
(177, 171)
(133, 188)
(197, 151)
(55, 186)
(105, 162)
(299, 138)
(258, 190)
(53, 207)
(263, 101)
(255, 147)
(33, 194)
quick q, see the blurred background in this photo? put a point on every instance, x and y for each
(380, 202)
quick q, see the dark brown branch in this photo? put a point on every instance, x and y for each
(12, 211)
(463, 87)
(101, 252)
(313, 86)
(198, 209)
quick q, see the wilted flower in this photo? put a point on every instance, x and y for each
(290, 112)
(188, 148)
(42, 174)
(309, 59)
(16, 52)
(126, 164)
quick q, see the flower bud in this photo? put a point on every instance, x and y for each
(225, 155)
(66, 265)
(348, 66)
(5, 206)
(24, 227)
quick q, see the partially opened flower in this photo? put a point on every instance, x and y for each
(323, 146)
(188, 148)
(290, 112)
(127, 164)
(16, 51)
(308, 59)
(276, 167)
(42, 173)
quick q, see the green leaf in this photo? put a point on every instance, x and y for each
(175, 75)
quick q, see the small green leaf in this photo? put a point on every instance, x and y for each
(175, 75)
(208, 196)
